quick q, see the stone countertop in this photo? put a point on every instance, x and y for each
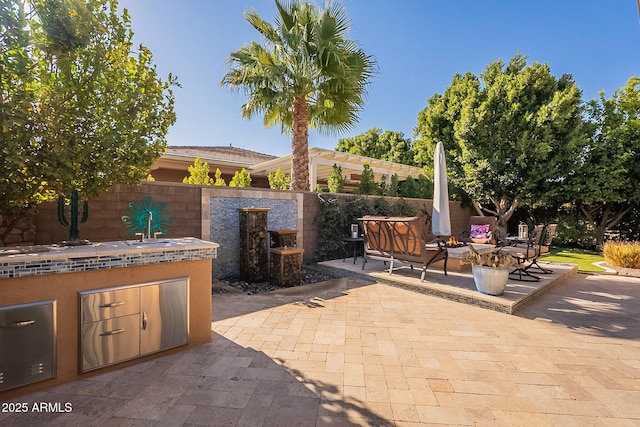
(40, 260)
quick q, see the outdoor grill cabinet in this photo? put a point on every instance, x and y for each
(122, 323)
(27, 343)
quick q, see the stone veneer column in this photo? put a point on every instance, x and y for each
(253, 244)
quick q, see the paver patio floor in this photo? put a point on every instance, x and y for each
(350, 352)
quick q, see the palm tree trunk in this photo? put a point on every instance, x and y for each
(300, 145)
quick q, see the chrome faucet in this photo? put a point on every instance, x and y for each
(149, 225)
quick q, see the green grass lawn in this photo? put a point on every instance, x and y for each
(584, 259)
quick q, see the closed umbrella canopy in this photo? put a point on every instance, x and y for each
(440, 219)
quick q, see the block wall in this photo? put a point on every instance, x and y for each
(191, 207)
(106, 212)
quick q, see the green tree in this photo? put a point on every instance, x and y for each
(394, 186)
(510, 135)
(198, 173)
(421, 188)
(335, 181)
(219, 182)
(367, 181)
(388, 145)
(382, 187)
(279, 180)
(305, 74)
(241, 178)
(605, 182)
(409, 188)
(79, 108)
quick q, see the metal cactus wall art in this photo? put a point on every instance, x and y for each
(74, 216)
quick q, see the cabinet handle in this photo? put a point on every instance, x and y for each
(112, 304)
(19, 324)
(114, 332)
(144, 320)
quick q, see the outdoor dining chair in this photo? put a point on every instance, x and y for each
(526, 255)
(545, 244)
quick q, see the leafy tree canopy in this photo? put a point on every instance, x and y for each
(306, 73)
(79, 108)
(605, 184)
(388, 145)
(511, 135)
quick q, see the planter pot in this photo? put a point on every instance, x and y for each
(489, 280)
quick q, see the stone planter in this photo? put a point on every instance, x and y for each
(489, 280)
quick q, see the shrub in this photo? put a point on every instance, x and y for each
(198, 173)
(241, 178)
(331, 225)
(219, 182)
(367, 181)
(622, 254)
(403, 208)
(336, 180)
(573, 233)
(394, 187)
(334, 220)
(279, 180)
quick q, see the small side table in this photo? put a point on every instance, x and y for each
(355, 243)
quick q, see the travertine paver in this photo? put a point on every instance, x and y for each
(353, 353)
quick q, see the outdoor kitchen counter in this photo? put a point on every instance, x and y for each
(60, 273)
(43, 260)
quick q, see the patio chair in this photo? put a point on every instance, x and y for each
(526, 255)
(545, 243)
(482, 229)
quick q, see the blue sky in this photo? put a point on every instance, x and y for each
(418, 44)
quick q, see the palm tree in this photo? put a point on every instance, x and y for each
(306, 74)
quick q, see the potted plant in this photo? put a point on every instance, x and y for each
(490, 270)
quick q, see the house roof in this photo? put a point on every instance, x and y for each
(220, 154)
(321, 162)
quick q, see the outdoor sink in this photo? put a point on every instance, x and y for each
(147, 242)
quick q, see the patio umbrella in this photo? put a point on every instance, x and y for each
(440, 219)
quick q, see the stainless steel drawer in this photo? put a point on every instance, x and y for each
(108, 304)
(27, 343)
(110, 341)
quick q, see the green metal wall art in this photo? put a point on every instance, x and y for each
(147, 217)
(74, 219)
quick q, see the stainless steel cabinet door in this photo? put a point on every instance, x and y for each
(27, 343)
(164, 315)
(110, 341)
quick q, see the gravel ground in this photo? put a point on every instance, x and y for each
(309, 276)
